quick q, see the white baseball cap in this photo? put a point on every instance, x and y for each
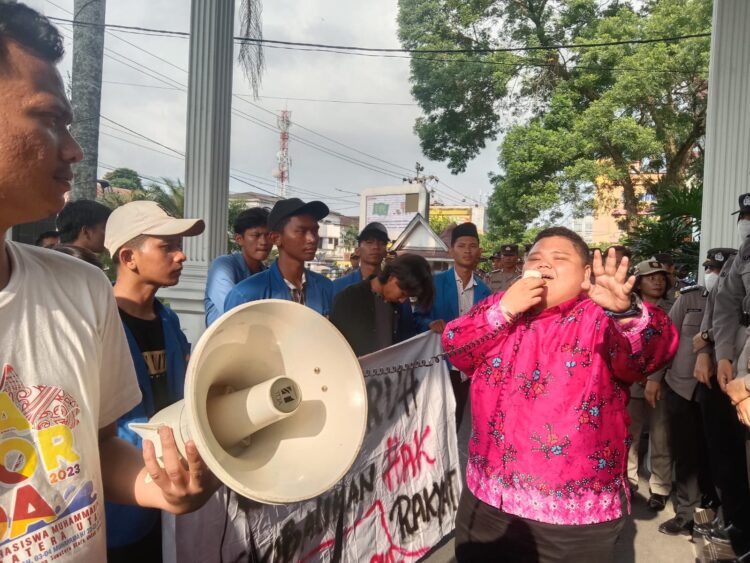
(145, 218)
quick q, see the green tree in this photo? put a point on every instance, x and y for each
(124, 178)
(439, 223)
(588, 113)
(235, 208)
(349, 237)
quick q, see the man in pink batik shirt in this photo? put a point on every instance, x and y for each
(547, 457)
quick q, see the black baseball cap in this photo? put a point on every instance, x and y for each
(717, 257)
(285, 208)
(744, 201)
(374, 230)
(509, 250)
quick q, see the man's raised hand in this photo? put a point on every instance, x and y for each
(612, 287)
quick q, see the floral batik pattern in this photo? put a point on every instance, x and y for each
(548, 402)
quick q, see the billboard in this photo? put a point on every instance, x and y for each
(394, 207)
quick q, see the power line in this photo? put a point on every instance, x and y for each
(484, 50)
(269, 127)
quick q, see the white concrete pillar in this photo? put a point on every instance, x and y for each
(207, 153)
(727, 166)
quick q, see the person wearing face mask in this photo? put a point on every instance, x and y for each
(727, 324)
(549, 362)
(652, 285)
(679, 390)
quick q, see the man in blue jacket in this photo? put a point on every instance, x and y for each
(293, 225)
(146, 247)
(252, 236)
(372, 246)
(457, 290)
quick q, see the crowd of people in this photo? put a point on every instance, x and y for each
(565, 355)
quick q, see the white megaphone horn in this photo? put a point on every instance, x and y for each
(275, 401)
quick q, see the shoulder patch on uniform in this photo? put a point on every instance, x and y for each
(690, 288)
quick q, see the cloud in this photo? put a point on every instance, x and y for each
(383, 131)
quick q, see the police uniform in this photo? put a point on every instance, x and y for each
(642, 415)
(725, 435)
(501, 279)
(687, 439)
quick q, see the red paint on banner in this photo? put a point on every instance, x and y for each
(403, 461)
(388, 557)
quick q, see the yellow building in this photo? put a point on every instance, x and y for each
(609, 206)
(461, 214)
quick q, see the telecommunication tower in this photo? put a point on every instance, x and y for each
(281, 173)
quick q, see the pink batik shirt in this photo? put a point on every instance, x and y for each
(549, 392)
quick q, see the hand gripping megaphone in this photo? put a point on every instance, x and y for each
(275, 401)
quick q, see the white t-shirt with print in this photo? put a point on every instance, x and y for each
(65, 372)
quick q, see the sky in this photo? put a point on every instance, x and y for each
(144, 91)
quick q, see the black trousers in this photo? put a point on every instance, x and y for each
(487, 534)
(145, 550)
(725, 437)
(461, 393)
(689, 453)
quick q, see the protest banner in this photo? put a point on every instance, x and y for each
(398, 500)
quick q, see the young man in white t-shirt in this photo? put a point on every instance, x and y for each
(66, 374)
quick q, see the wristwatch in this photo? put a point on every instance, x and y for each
(705, 337)
(635, 309)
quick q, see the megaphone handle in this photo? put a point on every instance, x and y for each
(397, 368)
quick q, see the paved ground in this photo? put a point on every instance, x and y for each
(641, 541)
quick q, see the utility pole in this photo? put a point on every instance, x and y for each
(420, 178)
(281, 173)
(86, 91)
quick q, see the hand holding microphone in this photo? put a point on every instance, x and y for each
(523, 294)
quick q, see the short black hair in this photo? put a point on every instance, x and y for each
(81, 253)
(79, 214)
(134, 243)
(32, 30)
(414, 277)
(44, 235)
(578, 243)
(620, 248)
(249, 219)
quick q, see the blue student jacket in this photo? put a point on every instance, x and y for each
(445, 306)
(128, 524)
(225, 272)
(407, 323)
(270, 284)
(347, 280)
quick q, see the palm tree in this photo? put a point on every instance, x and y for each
(86, 91)
(86, 81)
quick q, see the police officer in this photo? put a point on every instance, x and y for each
(687, 440)
(506, 269)
(652, 285)
(732, 307)
(729, 335)
(667, 262)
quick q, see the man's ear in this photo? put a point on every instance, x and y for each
(127, 258)
(238, 239)
(275, 237)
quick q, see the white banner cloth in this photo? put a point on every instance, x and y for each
(398, 500)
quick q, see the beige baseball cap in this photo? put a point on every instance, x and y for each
(145, 218)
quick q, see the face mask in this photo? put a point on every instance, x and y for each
(743, 227)
(710, 280)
